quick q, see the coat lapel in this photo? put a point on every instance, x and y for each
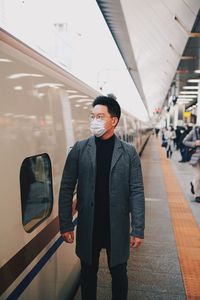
(117, 152)
(92, 152)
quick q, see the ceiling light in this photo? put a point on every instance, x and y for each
(194, 80)
(18, 88)
(71, 91)
(40, 95)
(197, 71)
(189, 92)
(189, 99)
(184, 99)
(5, 60)
(83, 100)
(48, 84)
(187, 96)
(187, 57)
(20, 75)
(191, 87)
(77, 96)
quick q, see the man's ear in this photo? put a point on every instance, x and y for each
(115, 121)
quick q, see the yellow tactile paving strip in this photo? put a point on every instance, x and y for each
(186, 230)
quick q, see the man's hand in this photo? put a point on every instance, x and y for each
(135, 242)
(68, 236)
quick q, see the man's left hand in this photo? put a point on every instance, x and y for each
(135, 242)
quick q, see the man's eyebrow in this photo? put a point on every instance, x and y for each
(102, 114)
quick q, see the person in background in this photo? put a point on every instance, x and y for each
(179, 130)
(170, 135)
(163, 140)
(192, 140)
(109, 181)
(157, 131)
(184, 150)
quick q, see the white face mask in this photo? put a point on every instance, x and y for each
(97, 127)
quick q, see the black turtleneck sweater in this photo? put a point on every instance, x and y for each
(104, 151)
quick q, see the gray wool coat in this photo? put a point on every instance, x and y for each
(126, 193)
(190, 141)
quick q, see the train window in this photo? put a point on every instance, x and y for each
(36, 190)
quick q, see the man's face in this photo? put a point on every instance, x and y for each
(100, 112)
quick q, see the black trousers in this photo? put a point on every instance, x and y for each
(169, 152)
(89, 278)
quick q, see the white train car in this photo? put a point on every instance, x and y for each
(43, 111)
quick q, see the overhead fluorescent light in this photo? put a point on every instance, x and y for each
(21, 75)
(77, 96)
(194, 80)
(18, 88)
(187, 57)
(5, 60)
(40, 95)
(191, 87)
(187, 96)
(84, 100)
(71, 91)
(48, 84)
(197, 71)
(189, 92)
(185, 99)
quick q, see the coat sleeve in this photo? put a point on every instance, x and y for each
(189, 140)
(67, 187)
(137, 199)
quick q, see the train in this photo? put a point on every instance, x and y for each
(44, 111)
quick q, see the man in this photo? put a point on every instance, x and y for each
(192, 140)
(184, 150)
(110, 185)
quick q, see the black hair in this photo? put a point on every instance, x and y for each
(111, 103)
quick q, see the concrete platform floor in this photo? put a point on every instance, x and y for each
(154, 270)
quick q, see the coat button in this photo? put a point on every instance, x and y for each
(92, 204)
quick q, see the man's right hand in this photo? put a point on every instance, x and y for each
(68, 236)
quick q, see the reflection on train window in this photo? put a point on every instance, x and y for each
(36, 190)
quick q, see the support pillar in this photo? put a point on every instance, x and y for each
(175, 116)
(168, 120)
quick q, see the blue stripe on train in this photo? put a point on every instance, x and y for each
(35, 270)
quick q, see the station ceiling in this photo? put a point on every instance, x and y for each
(156, 42)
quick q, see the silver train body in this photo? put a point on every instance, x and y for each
(43, 111)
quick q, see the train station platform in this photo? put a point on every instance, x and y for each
(167, 265)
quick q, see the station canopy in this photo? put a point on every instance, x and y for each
(160, 44)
